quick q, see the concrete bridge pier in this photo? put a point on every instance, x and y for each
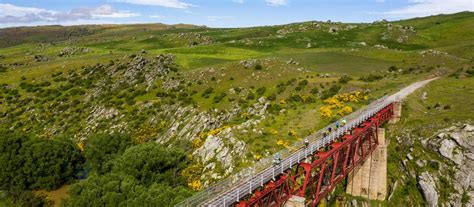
(295, 201)
(370, 179)
(397, 112)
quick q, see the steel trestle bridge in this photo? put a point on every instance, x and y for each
(312, 171)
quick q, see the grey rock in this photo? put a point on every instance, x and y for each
(424, 96)
(464, 139)
(354, 202)
(446, 148)
(468, 128)
(428, 186)
(421, 163)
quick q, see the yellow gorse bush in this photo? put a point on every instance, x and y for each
(344, 111)
(192, 174)
(213, 132)
(283, 143)
(195, 185)
(197, 143)
(338, 102)
(326, 112)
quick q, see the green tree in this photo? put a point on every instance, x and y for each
(152, 163)
(119, 189)
(49, 164)
(102, 148)
(30, 163)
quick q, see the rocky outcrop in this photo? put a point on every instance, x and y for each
(70, 51)
(428, 186)
(248, 63)
(456, 145)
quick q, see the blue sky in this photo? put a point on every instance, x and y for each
(217, 13)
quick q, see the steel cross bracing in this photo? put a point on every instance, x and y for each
(232, 190)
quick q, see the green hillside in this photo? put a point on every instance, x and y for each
(203, 102)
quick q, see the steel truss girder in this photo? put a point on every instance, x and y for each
(328, 168)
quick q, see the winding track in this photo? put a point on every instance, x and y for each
(229, 191)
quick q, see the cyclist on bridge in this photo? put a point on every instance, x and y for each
(277, 159)
(343, 122)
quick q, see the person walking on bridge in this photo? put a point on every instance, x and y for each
(306, 142)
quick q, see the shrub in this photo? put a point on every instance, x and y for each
(280, 89)
(330, 92)
(272, 97)
(392, 68)
(258, 67)
(344, 79)
(260, 91)
(371, 78)
(161, 94)
(207, 92)
(102, 148)
(250, 96)
(219, 97)
(27, 198)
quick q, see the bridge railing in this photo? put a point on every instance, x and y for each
(257, 171)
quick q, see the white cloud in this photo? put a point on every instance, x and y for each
(419, 8)
(215, 18)
(277, 2)
(12, 14)
(177, 4)
(155, 16)
(239, 1)
(107, 11)
(380, 1)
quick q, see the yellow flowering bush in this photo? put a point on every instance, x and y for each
(81, 146)
(213, 132)
(192, 173)
(197, 143)
(326, 112)
(292, 133)
(344, 111)
(280, 142)
(195, 185)
(273, 132)
(338, 102)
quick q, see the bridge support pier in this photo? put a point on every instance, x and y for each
(295, 201)
(370, 180)
(397, 112)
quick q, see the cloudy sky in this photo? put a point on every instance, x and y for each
(217, 13)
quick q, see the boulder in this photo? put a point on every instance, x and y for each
(446, 148)
(464, 139)
(421, 163)
(428, 186)
(468, 128)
